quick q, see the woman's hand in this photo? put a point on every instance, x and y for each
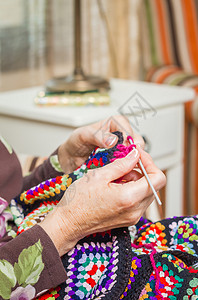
(83, 140)
(99, 203)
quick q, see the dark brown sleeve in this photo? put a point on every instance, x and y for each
(53, 273)
(41, 173)
(10, 172)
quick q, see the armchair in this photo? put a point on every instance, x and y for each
(169, 31)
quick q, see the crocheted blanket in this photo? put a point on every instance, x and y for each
(145, 261)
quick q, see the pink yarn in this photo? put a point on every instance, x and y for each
(123, 150)
(130, 138)
(150, 246)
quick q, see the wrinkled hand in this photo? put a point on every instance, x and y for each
(101, 204)
(83, 140)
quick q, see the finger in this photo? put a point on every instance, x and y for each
(141, 188)
(120, 167)
(115, 123)
(101, 134)
(138, 140)
(131, 176)
(147, 161)
(98, 135)
(104, 130)
(121, 123)
(138, 209)
(109, 139)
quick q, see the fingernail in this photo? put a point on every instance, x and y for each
(110, 141)
(138, 145)
(133, 153)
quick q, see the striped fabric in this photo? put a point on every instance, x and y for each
(175, 76)
(172, 75)
(170, 55)
(170, 33)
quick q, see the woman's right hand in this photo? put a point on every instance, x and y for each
(100, 204)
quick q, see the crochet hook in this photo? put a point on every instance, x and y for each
(146, 175)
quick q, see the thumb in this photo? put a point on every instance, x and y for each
(109, 140)
(100, 138)
(120, 167)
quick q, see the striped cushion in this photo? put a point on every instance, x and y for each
(174, 75)
(170, 33)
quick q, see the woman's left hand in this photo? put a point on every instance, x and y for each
(83, 140)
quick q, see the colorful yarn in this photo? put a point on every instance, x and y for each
(184, 237)
(148, 261)
(130, 138)
(150, 246)
(123, 150)
(53, 187)
(155, 233)
(52, 294)
(46, 189)
(17, 212)
(36, 216)
(87, 263)
(97, 159)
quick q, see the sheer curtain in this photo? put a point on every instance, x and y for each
(36, 40)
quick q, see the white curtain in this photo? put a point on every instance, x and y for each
(36, 40)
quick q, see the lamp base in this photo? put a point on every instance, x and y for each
(75, 83)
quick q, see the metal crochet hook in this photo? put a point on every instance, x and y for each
(146, 175)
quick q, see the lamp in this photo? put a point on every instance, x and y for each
(78, 81)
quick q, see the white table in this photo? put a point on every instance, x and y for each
(38, 130)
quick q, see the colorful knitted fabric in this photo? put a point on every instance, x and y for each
(145, 261)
